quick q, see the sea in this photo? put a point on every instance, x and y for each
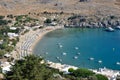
(84, 48)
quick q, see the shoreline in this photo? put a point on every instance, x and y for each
(29, 40)
(41, 36)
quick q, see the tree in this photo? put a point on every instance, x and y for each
(2, 52)
(101, 77)
(71, 70)
(0, 70)
(2, 17)
(30, 69)
(48, 21)
(9, 48)
(83, 72)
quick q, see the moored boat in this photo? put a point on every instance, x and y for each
(109, 29)
(99, 61)
(91, 58)
(117, 27)
(118, 63)
(75, 57)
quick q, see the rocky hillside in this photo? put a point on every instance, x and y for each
(68, 6)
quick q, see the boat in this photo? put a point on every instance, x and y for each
(64, 53)
(60, 46)
(46, 52)
(109, 29)
(99, 61)
(118, 63)
(59, 43)
(58, 57)
(117, 27)
(60, 60)
(91, 58)
(76, 48)
(78, 53)
(75, 57)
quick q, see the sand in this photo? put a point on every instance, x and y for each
(37, 36)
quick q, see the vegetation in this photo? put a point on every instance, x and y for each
(0, 70)
(101, 77)
(31, 69)
(48, 21)
(81, 72)
(84, 74)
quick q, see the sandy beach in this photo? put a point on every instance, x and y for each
(28, 41)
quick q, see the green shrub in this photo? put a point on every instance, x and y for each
(101, 77)
(2, 17)
(81, 72)
(48, 21)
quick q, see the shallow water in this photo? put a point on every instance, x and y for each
(96, 43)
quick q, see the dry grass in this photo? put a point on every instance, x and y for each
(68, 6)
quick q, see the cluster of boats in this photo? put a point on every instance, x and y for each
(117, 63)
(91, 58)
(110, 29)
(76, 56)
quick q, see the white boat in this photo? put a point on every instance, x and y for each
(110, 29)
(99, 61)
(118, 63)
(64, 53)
(59, 43)
(78, 53)
(91, 59)
(75, 57)
(60, 46)
(46, 52)
(60, 60)
(58, 57)
(76, 48)
(118, 27)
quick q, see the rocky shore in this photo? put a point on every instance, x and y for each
(95, 21)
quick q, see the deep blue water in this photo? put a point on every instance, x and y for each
(96, 43)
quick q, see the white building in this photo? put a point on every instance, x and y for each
(5, 67)
(12, 35)
(13, 28)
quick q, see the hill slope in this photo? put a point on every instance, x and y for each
(70, 6)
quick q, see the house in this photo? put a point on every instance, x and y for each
(1, 41)
(12, 35)
(5, 67)
(13, 28)
(53, 24)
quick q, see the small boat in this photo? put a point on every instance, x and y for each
(113, 49)
(58, 57)
(76, 48)
(118, 27)
(118, 63)
(46, 52)
(78, 53)
(99, 61)
(109, 29)
(64, 53)
(75, 57)
(60, 46)
(59, 43)
(60, 60)
(91, 59)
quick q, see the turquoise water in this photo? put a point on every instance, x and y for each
(96, 43)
